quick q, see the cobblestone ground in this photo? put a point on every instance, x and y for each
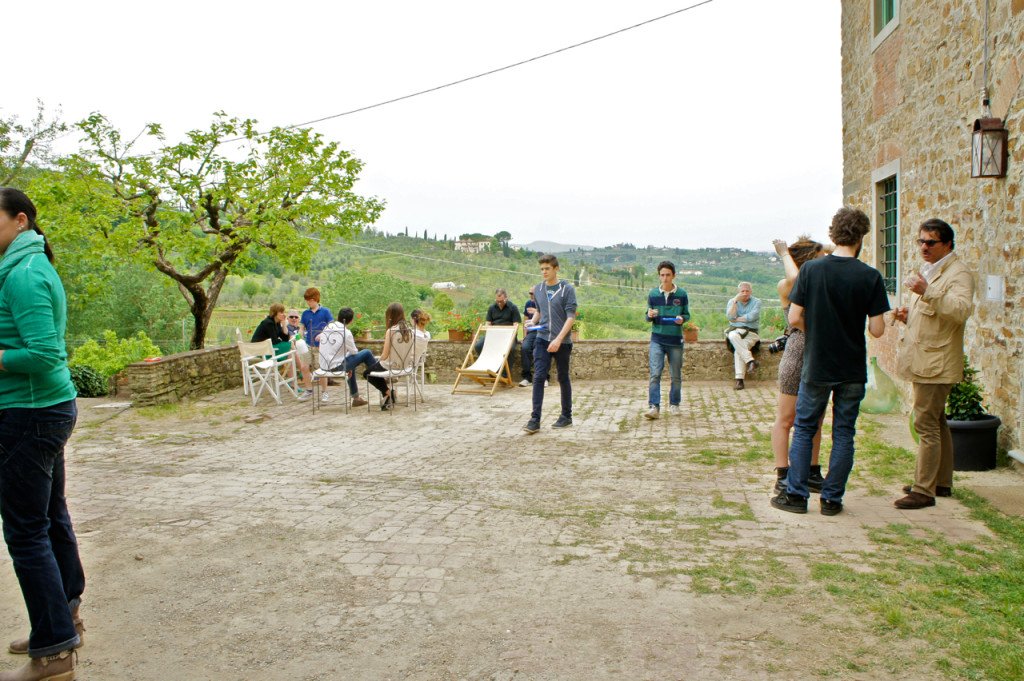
(443, 543)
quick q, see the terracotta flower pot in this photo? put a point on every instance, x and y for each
(455, 335)
(690, 335)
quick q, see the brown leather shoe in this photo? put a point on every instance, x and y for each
(20, 646)
(914, 500)
(739, 384)
(940, 491)
(359, 402)
(59, 667)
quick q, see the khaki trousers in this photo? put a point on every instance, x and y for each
(741, 351)
(935, 450)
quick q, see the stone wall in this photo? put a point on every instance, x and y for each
(203, 372)
(912, 102)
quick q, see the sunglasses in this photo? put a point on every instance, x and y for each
(929, 242)
(293, 316)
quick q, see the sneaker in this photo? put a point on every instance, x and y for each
(815, 482)
(674, 409)
(303, 397)
(791, 503)
(739, 384)
(652, 413)
(387, 406)
(562, 422)
(532, 426)
(324, 397)
(831, 507)
(359, 401)
(525, 383)
(780, 485)
(939, 490)
(545, 384)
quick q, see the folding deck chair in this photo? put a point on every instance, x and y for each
(263, 370)
(491, 367)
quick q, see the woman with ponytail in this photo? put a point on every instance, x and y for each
(37, 415)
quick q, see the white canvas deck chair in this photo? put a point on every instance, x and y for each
(491, 367)
(331, 359)
(263, 370)
(402, 363)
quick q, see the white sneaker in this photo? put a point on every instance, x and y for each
(652, 413)
(545, 384)
(674, 409)
(304, 397)
(524, 383)
(324, 397)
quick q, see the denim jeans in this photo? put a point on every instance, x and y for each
(675, 365)
(541, 369)
(351, 362)
(527, 355)
(37, 527)
(811, 403)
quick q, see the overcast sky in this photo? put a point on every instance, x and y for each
(719, 126)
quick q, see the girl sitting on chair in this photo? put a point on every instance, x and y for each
(399, 333)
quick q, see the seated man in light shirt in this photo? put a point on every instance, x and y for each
(744, 313)
(353, 356)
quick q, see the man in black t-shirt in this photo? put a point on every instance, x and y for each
(830, 301)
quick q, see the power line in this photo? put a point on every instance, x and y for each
(489, 73)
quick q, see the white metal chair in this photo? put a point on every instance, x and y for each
(331, 359)
(263, 370)
(420, 373)
(404, 355)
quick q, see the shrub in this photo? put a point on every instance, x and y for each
(89, 382)
(114, 354)
(965, 400)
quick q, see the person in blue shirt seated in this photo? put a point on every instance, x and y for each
(314, 321)
(744, 314)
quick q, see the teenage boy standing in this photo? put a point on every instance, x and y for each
(556, 300)
(667, 309)
(829, 303)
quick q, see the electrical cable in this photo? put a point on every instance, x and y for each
(485, 73)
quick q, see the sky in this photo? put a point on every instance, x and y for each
(719, 126)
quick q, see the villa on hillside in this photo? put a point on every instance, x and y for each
(918, 142)
(472, 245)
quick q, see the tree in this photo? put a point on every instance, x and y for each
(198, 210)
(503, 237)
(20, 144)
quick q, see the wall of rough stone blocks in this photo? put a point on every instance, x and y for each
(204, 372)
(914, 100)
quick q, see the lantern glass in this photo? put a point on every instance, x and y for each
(988, 149)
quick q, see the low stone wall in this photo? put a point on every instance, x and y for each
(204, 372)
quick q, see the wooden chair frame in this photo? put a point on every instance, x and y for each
(491, 367)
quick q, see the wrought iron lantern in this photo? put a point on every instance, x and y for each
(988, 148)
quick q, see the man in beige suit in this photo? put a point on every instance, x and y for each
(931, 356)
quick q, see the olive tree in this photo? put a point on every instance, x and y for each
(210, 205)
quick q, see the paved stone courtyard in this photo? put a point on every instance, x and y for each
(443, 543)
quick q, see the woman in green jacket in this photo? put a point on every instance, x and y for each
(37, 415)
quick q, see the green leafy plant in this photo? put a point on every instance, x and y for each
(690, 326)
(467, 322)
(89, 382)
(114, 354)
(965, 399)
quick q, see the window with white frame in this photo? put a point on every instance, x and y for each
(885, 17)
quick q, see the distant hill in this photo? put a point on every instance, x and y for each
(552, 247)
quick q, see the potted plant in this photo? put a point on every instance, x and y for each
(690, 330)
(973, 430)
(460, 326)
(360, 327)
(577, 327)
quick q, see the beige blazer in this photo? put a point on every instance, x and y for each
(932, 347)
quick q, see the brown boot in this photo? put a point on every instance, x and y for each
(20, 647)
(59, 667)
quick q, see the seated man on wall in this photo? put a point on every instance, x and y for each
(502, 313)
(744, 313)
(353, 356)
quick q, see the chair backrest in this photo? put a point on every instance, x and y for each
(404, 352)
(263, 348)
(332, 346)
(497, 343)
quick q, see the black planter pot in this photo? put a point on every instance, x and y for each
(974, 443)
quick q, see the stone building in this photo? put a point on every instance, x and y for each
(472, 245)
(913, 76)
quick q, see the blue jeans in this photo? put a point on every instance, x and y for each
(658, 353)
(541, 368)
(811, 403)
(351, 362)
(37, 527)
(527, 355)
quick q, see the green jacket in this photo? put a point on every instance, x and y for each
(33, 318)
